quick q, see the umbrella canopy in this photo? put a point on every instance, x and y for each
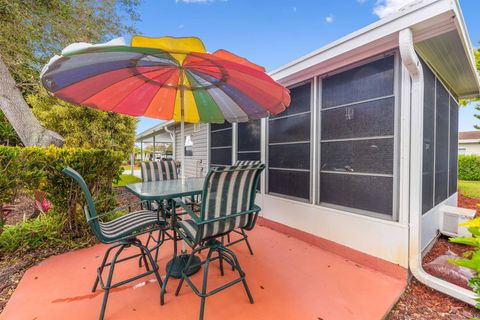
(165, 78)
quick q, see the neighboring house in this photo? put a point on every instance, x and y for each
(469, 142)
(196, 150)
(366, 155)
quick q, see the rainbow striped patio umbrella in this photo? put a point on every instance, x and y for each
(165, 78)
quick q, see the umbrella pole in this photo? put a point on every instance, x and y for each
(182, 126)
(180, 262)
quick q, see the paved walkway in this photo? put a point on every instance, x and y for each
(289, 279)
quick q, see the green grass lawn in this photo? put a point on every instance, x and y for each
(127, 167)
(126, 179)
(469, 188)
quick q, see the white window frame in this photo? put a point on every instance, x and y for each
(396, 138)
(210, 148)
(267, 144)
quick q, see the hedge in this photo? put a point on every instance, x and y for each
(39, 169)
(469, 167)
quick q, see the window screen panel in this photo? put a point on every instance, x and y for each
(221, 138)
(375, 118)
(300, 100)
(249, 136)
(453, 170)
(289, 146)
(293, 156)
(248, 156)
(222, 156)
(372, 80)
(441, 143)
(291, 129)
(370, 193)
(365, 156)
(428, 140)
(292, 183)
(219, 126)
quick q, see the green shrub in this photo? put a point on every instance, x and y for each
(471, 259)
(37, 168)
(469, 167)
(43, 231)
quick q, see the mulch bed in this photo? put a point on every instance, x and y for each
(469, 203)
(421, 302)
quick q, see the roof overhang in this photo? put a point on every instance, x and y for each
(158, 132)
(440, 37)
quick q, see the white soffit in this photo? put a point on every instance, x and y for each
(161, 136)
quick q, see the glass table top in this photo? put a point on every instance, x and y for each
(166, 189)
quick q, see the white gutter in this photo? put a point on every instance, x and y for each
(412, 63)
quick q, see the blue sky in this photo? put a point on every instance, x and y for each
(272, 33)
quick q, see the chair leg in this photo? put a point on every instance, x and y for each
(169, 271)
(246, 241)
(204, 284)
(143, 257)
(189, 261)
(109, 281)
(240, 272)
(102, 266)
(146, 252)
(220, 260)
(161, 239)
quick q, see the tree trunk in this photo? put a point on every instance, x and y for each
(18, 113)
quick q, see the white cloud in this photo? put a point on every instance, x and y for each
(329, 19)
(384, 8)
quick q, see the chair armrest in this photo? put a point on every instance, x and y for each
(125, 207)
(255, 209)
(187, 209)
(110, 198)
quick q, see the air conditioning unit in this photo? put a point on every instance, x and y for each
(452, 217)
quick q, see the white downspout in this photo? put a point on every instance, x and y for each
(412, 63)
(172, 136)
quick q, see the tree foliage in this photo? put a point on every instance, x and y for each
(35, 30)
(477, 58)
(84, 127)
(32, 31)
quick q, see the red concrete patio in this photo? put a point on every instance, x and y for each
(289, 279)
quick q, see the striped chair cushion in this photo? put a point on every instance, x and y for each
(241, 163)
(159, 170)
(228, 192)
(129, 223)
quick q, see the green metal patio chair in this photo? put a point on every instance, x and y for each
(159, 170)
(228, 203)
(241, 231)
(122, 232)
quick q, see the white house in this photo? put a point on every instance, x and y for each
(365, 158)
(469, 142)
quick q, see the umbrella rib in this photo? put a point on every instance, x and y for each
(110, 85)
(127, 96)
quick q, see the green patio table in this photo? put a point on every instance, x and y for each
(166, 190)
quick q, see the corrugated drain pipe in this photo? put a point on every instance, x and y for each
(412, 63)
